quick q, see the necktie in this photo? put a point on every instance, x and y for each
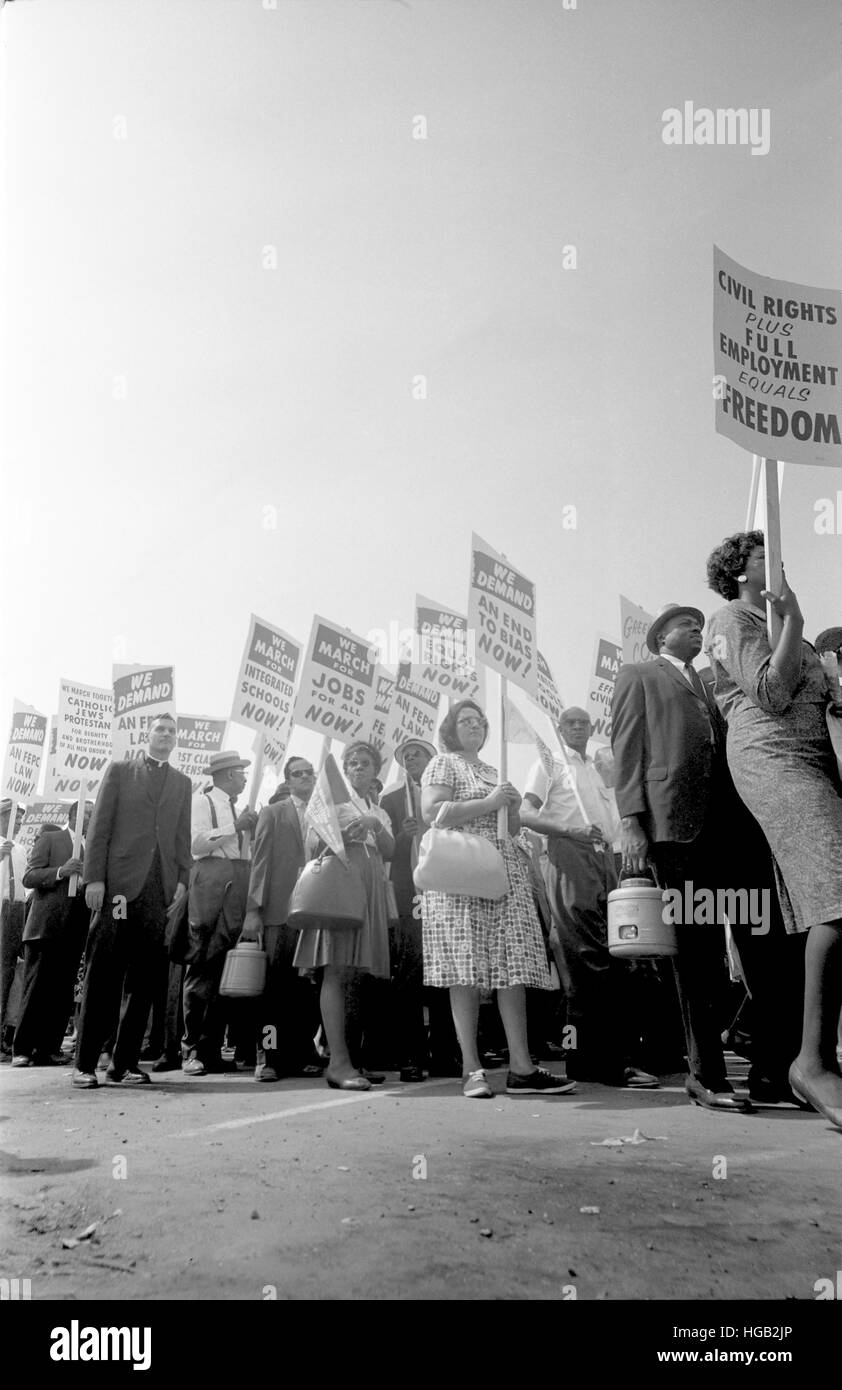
(234, 816)
(701, 689)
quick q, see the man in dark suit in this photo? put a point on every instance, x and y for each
(287, 1016)
(53, 939)
(676, 800)
(137, 862)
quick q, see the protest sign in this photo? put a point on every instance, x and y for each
(383, 696)
(140, 694)
(338, 689)
(548, 697)
(83, 741)
(635, 622)
(501, 610)
(22, 763)
(39, 813)
(198, 737)
(608, 656)
(777, 359)
(263, 698)
(445, 651)
(415, 709)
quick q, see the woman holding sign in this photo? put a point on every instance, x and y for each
(367, 836)
(779, 703)
(473, 943)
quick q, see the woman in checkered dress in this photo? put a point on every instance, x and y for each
(471, 944)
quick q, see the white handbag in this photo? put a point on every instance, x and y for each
(454, 861)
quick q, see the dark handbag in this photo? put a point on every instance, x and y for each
(329, 895)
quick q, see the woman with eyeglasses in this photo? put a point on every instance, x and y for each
(470, 943)
(366, 832)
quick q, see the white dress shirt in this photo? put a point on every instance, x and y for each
(222, 843)
(680, 666)
(558, 798)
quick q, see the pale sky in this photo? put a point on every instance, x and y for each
(164, 389)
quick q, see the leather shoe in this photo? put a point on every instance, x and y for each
(166, 1063)
(807, 1093)
(191, 1067)
(762, 1090)
(412, 1074)
(375, 1077)
(640, 1080)
(129, 1077)
(351, 1083)
(84, 1080)
(716, 1100)
(263, 1072)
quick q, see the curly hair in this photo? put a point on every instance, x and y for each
(361, 745)
(448, 733)
(729, 559)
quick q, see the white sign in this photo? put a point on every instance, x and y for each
(446, 651)
(338, 687)
(22, 764)
(141, 693)
(635, 622)
(38, 814)
(415, 709)
(264, 696)
(548, 696)
(501, 610)
(198, 737)
(83, 741)
(384, 695)
(777, 350)
(608, 656)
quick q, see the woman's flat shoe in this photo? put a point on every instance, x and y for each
(351, 1083)
(806, 1093)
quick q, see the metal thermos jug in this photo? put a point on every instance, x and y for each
(244, 972)
(636, 925)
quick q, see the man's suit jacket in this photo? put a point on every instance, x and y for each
(128, 825)
(400, 869)
(667, 770)
(278, 856)
(50, 906)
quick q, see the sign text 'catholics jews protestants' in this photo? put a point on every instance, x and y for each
(22, 763)
(338, 688)
(83, 741)
(608, 657)
(265, 692)
(140, 694)
(501, 610)
(777, 349)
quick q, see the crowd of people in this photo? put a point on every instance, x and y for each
(724, 779)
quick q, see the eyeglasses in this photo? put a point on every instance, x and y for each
(472, 723)
(303, 772)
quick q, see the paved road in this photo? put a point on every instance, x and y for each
(217, 1187)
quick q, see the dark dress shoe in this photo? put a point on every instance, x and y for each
(166, 1063)
(412, 1074)
(129, 1077)
(762, 1090)
(716, 1100)
(810, 1096)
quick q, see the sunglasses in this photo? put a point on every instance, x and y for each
(303, 772)
(472, 723)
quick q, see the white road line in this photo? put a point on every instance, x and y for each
(377, 1092)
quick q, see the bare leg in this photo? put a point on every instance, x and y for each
(822, 1001)
(332, 1002)
(464, 1005)
(512, 1006)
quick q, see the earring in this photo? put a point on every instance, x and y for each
(741, 579)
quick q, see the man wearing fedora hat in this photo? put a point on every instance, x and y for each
(216, 905)
(675, 797)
